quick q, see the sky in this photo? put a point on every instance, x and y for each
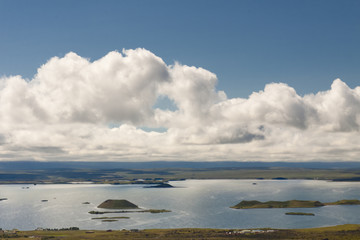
(139, 80)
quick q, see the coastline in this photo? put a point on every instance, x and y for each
(164, 176)
(163, 172)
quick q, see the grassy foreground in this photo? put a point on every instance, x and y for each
(349, 232)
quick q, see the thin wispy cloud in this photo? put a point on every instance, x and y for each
(104, 110)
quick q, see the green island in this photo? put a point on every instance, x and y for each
(345, 202)
(348, 231)
(129, 211)
(109, 219)
(160, 185)
(124, 204)
(156, 210)
(291, 204)
(103, 218)
(117, 204)
(300, 214)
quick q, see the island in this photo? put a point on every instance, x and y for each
(156, 210)
(125, 207)
(3, 199)
(118, 204)
(132, 211)
(345, 202)
(291, 204)
(109, 219)
(300, 214)
(160, 185)
(103, 218)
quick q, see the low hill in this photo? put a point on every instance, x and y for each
(117, 204)
(160, 185)
(278, 204)
(345, 202)
(291, 204)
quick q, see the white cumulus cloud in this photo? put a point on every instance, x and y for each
(103, 110)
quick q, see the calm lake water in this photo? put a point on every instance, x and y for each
(194, 203)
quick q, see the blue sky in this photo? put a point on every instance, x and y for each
(141, 80)
(247, 43)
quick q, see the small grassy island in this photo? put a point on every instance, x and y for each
(103, 218)
(291, 204)
(130, 211)
(118, 204)
(345, 202)
(160, 185)
(125, 206)
(300, 214)
(278, 204)
(109, 219)
(156, 210)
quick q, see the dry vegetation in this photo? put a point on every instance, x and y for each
(334, 233)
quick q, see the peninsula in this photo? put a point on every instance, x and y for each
(300, 214)
(291, 204)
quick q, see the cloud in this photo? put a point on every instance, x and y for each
(337, 109)
(278, 104)
(77, 109)
(116, 88)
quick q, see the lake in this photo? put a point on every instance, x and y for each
(194, 203)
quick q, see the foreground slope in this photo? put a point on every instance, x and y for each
(349, 232)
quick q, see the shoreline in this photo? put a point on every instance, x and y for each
(157, 175)
(150, 182)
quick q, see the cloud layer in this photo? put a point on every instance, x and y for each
(75, 109)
